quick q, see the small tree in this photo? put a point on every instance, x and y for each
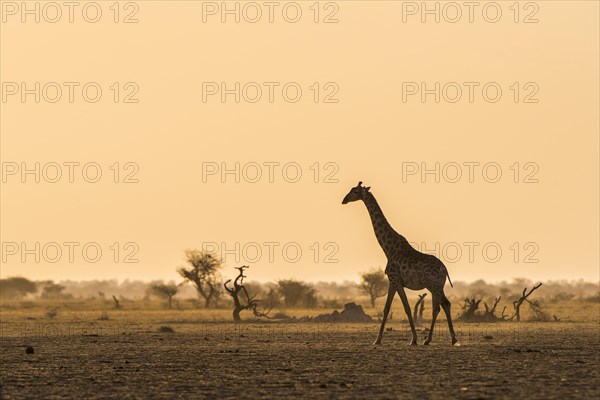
(52, 291)
(204, 274)
(296, 293)
(16, 287)
(374, 284)
(165, 290)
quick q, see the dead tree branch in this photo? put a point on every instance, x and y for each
(419, 305)
(517, 304)
(468, 309)
(490, 312)
(117, 305)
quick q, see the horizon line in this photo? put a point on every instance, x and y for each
(120, 281)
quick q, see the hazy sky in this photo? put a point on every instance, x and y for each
(360, 116)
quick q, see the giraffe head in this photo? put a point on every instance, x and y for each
(358, 192)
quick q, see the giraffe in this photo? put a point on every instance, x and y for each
(406, 267)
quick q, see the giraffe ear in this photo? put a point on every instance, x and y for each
(368, 188)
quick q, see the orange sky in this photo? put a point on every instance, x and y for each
(377, 132)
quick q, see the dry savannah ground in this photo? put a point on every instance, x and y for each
(144, 354)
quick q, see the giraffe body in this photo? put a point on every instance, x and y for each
(406, 267)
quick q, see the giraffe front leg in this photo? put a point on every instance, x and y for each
(386, 310)
(408, 313)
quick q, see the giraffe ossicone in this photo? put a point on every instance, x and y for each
(406, 267)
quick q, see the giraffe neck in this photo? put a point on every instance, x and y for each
(383, 230)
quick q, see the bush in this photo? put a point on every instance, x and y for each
(592, 299)
(562, 296)
(332, 303)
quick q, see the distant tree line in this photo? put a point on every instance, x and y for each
(17, 288)
(201, 277)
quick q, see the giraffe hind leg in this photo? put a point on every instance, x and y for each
(446, 305)
(434, 313)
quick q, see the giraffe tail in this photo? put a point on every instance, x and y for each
(448, 275)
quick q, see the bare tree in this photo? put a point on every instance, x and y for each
(165, 291)
(468, 309)
(517, 304)
(203, 273)
(470, 313)
(238, 286)
(419, 308)
(374, 284)
(250, 303)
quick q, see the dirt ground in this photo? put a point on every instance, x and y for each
(130, 358)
